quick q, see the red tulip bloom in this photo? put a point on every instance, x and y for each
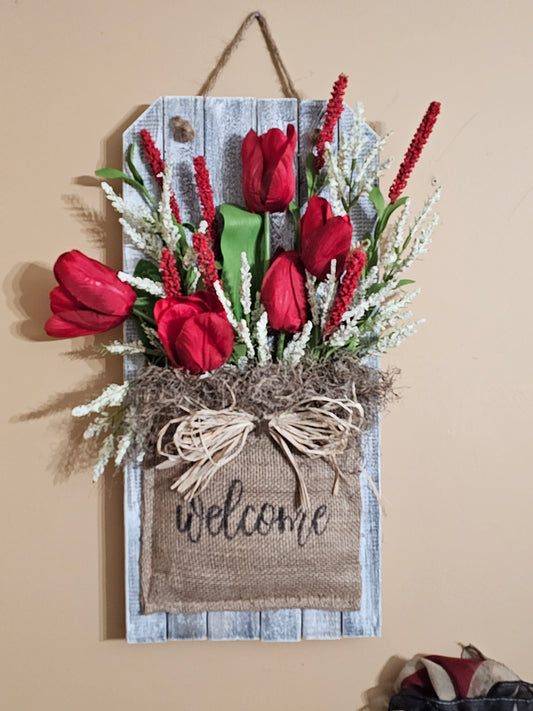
(194, 331)
(90, 297)
(268, 170)
(323, 238)
(283, 293)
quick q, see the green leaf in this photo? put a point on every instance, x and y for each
(114, 174)
(239, 350)
(377, 199)
(405, 282)
(295, 212)
(131, 165)
(242, 232)
(388, 212)
(145, 269)
(376, 287)
(310, 174)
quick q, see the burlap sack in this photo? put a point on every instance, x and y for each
(242, 544)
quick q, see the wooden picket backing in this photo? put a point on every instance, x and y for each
(220, 125)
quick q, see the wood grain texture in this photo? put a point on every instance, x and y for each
(190, 108)
(280, 625)
(227, 121)
(219, 126)
(139, 627)
(316, 624)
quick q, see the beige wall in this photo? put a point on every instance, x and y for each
(456, 448)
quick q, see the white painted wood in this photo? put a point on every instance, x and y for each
(366, 622)
(220, 125)
(226, 123)
(363, 213)
(190, 108)
(231, 626)
(316, 624)
(280, 625)
(310, 116)
(321, 624)
(139, 627)
(193, 626)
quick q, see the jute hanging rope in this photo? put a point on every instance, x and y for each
(287, 86)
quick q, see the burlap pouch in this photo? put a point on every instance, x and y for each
(244, 543)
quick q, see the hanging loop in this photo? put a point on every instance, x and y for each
(287, 86)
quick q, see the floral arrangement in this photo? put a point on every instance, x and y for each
(211, 296)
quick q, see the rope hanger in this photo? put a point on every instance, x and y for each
(287, 86)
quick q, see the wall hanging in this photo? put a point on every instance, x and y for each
(262, 278)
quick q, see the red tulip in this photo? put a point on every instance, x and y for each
(268, 170)
(90, 297)
(323, 238)
(194, 331)
(283, 293)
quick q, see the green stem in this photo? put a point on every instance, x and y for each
(144, 317)
(266, 242)
(281, 346)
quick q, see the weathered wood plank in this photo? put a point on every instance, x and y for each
(139, 627)
(321, 624)
(310, 116)
(182, 627)
(363, 213)
(226, 122)
(227, 626)
(190, 108)
(366, 622)
(280, 625)
(316, 624)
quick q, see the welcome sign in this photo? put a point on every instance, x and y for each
(244, 544)
(240, 560)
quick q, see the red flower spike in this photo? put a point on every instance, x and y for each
(333, 113)
(205, 192)
(413, 152)
(194, 331)
(90, 297)
(354, 268)
(169, 273)
(206, 259)
(157, 164)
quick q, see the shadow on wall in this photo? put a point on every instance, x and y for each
(377, 698)
(26, 290)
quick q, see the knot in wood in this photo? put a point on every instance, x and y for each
(313, 136)
(182, 129)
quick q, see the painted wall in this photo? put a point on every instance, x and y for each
(456, 447)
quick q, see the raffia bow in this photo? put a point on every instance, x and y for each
(208, 439)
